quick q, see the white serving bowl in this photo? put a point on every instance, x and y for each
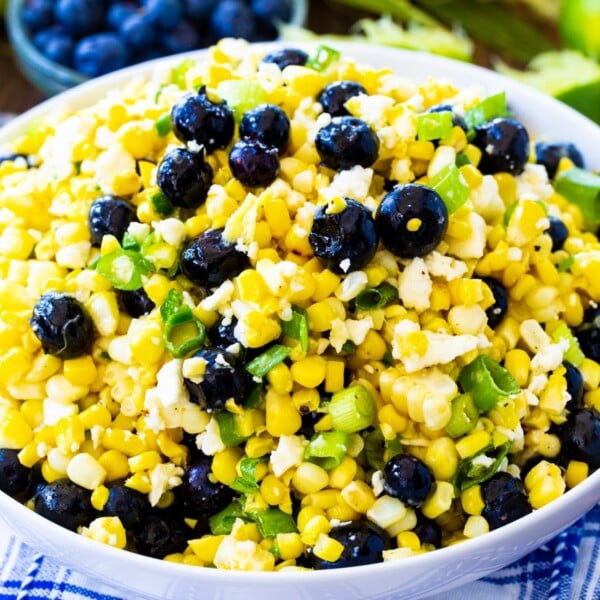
(140, 577)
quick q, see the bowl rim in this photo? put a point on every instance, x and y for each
(584, 496)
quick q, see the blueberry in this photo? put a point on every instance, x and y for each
(37, 14)
(428, 531)
(550, 153)
(109, 215)
(224, 378)
(411, 220)
(135, 303)
(496, 312)
(504, 145)
(345, 241)
(201, 495)
(166, 14)
(132, 507)
(408, 478)
(574, 380)
(161, 534)
(588, 334)
(253, 163)
(457, 120)
(286, 56)
(199, 10)
(363, 541)
(196, 118)
(232, 18)
(347, 142)
(182, 38)
(209, 260)
(118, 13)
(62, 325)
(79, 17)
(137, 31)
(309, 420)
(504, 500)
(333, 97)
(580, 436)
(221, 333)
(58, 47)
(64, 503)
(558, 233)
(268, 124)
(184, 178)
(271, 10)
(99, 54)
(14, 477)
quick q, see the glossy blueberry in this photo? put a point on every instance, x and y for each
(271, 10)
(109, 215)
(100, 53)
(363, 541)
(137, 31)
(309, 419)
(161, 534)
(344, 241)
(62, 325)
(347, 142)
(57, 47)
(199, 10)
(286, 56)
(184, 178)
(411, 220)
(135, 303)
(14, 477)
(504, 145)
(232, 18)
(428, 531)
(268, 124)
(558, 233)
(118, 13)
(196, 118)
(131, 506)
(457, 120)
(574, 380)
(209, 260)
(37, 14)
(182, 38)
(588, 334)
(333, 97)
(550, 153)
(496, 312)
(64, 503)
(580, 436)
(504, 500)
(253, 163)
(408, 478)
(224, 377)
(221, 333)
(165, 14)
(203, 497)
(79, 17)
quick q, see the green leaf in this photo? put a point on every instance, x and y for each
(473, 470)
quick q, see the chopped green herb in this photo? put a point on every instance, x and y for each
(434, 125)
(323, 58)
(327, 449)
(129, 242)
(452, 187)
(222, 522)
(297, 327)
(254, 398)
(163, 125)
(228, 430)
(478, 468)
(566, 264)
(489, 108)
(349, 346)
(105, 355)
(373, 298)
(462, 159)
(273, 521)
(264, 362)
(161, 204)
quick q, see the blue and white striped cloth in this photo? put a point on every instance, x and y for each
(566, 568)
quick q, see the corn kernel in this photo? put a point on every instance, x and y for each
(310, 371)
(408, 539)
(442, 458)
(282, 417)
(439, 501)
(327, 548)
(224, 464)
(473, 443)
(310, 478)
(386, 511)
(290, 545)
(576, 472)
(475, 526)
(205, 548)
(472, 500)
(99, 497)
(84, 470)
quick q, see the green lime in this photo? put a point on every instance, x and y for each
(579, 25)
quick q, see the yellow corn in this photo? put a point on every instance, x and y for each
(310, 371)
(472, 500)
(224, 464)
(439, 500)
(442, 458)
(472, 443)
(115, 464)
(99, 497)
(282, 417)
(290, 545)
(576, 472)
(205, 548)
(310, 478)
(327, 548)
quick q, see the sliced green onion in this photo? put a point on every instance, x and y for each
(487, 381)
(434, 125)
(476, 469)
(183, 333)
(582, 188)
(379, 450)
(388, 358)
(179, 72)
(129, 242)
(566, 264)
(297, 327)
(171, 303)
(222, 522)
(452, 187)
(327, 449)
(161, 204)
(246, 482)
(241, 95)
(349, 346)
(163, 125)
(254, 398)
(462, 159)
(489, 108)
(573, 354)
(323, 58)
(125, 269)
(373, 298)
(508, 213)
(463, 417)
(273, 521)
(352, 409)
(228, 430)
(264, 362)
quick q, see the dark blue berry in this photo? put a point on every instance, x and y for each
(62, 325)
(196, 118)
(574, 380)
(336, 94)
(345, 241)
(588, 334)
(182, 38)
(161, 534)
(457, 120)
(504, 500)
(363, 541)
(79, 17)
(411, 220)
(118, 13)
(558, 233)
(347, 142)
(37, 14)
(14, 477)
(131, 506)
(496, 312)
(64, 503)
(166, 14)
(135, 303)
(209, 260)
(232, 18)
(504, 145)
(286, 56)
(268, 124)
(221, 333)
(550, 153)
(109, 215)
(57, 47)
(137, 31)
(199, 10)
(184, 178)
(100, 53)
(580, 436)
(408, 478)
(428, 531)
(253, 163)
(271, 10)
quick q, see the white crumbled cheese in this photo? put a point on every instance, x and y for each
(532, 399)
(515, 254)
(401, 170)
(163, 477)
(242, 555)
(352, 285)
(169, 383)
(377, 483)
(415, 285)
(487, 201)
(405, 125)
(74, 256)
(289, 453)
(474, 245)
(241, 225)
(353, 183)
(277, 275)
(219, 298)
(354, 330)
(371, 108)
(171, 230)
(533, 184)
(112, 163)
(550, 357)
(209, 441)
(345, 265)
(537, 383)
(482, 461)
(445, 267)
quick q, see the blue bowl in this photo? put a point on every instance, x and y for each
(51, 77)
